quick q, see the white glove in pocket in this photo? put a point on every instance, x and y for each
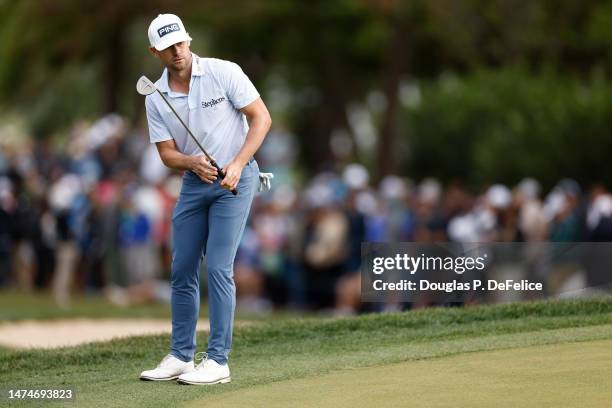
(265, 182)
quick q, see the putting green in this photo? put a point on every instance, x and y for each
(568, 374)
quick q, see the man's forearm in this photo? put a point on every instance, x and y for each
(177, 160)
(258, 128)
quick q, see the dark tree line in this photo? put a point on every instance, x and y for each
(62, 59)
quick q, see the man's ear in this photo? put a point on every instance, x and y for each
(153, 51)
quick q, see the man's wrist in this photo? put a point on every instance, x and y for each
(241, 161)
(190, 162)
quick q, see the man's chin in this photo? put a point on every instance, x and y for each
(179, 65)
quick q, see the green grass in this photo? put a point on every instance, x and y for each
(40, 305)
(16, 305)
(557, 375)
(105, 374)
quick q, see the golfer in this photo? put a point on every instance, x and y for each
(215, 99)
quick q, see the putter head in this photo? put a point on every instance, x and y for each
(144, 86)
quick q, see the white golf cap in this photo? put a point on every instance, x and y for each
(166, 30)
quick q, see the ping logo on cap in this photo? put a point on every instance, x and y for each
(167, 29)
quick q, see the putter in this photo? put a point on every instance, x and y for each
(144, 86)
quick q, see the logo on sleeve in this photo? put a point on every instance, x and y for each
(167, 29)
(212, 102)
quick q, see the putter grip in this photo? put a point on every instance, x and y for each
(222, 175)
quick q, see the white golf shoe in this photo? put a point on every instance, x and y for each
(208, 371)
(169, 369)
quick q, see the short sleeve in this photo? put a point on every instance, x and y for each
(238, 87)
(158, 131)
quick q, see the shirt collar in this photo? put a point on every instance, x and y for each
(196, 70)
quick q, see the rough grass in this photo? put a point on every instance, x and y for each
(16, 305)
(106, 374)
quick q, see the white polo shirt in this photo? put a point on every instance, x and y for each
(217, 90)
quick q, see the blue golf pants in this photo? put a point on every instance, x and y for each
(207, 220)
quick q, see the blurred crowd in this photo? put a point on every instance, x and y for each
(93, 215)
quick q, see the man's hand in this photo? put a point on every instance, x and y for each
(202, 167)
(233, 171)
